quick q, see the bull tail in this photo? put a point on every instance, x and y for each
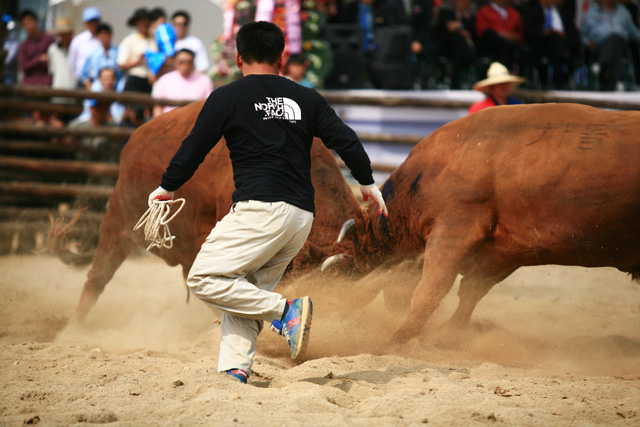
(68, 242)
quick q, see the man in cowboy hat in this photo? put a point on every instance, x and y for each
(497, 86)
(131, 57)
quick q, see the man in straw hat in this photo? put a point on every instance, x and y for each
(58, 55)
(497, 86)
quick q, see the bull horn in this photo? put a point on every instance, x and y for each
(348, 229)
(332, 261)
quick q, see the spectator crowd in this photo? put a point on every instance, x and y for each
(450, 43)
(554, 43)
(158, 57)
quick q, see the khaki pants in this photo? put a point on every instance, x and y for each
(238, 267)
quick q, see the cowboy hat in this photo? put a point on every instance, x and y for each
(63, 25)
(497, 74)
(140, 13)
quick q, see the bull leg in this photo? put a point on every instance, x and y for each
(113, 248)
(452, 239)
(472, 290)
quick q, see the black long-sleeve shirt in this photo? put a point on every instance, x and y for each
(269, 123)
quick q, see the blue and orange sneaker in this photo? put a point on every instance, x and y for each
(239, 374)
(295, 325)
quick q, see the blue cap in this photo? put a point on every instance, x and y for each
(90, 14)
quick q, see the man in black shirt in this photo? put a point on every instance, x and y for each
(269, 123)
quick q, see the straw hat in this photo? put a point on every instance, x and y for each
(496, 74)
(63, 25)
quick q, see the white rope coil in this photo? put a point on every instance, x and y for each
(156, 223)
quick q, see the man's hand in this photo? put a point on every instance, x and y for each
(160, 194)
(373, 192)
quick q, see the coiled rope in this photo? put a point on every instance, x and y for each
(156, 223)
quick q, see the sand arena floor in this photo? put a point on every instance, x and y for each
(549, 346)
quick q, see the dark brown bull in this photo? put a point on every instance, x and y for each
(208, 199)
(509, 187)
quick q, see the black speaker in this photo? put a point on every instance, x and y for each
(391, 66)
(348, 58)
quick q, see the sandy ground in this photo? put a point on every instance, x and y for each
(549, 346)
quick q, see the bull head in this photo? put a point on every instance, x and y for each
(369, 249)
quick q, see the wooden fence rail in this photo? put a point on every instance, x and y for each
(36, 147)
(333, 97)
(8, 104)
(79, 167)
(45, 189)
(131, 98)
(113, 132)
(19, 128)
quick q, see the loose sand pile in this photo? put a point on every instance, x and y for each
(549, 346)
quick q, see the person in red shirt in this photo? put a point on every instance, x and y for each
(500, 33)
(33, 59)
(497, 86)
(32, 53)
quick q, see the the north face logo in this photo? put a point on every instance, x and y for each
(280, 108)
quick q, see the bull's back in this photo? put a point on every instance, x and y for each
(563, 179)
(143, 161)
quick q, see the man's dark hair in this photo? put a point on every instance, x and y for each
(297, 58)
(261, 42)
(157, 12)
(28, 12)
(182, 13)
(103, 27)
(189, 51)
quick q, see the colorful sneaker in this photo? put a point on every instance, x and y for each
(276, 326)
(239, 374)
(296, 324)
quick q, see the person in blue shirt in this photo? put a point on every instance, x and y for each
(104, 57)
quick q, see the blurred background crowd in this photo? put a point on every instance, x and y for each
(331, 44)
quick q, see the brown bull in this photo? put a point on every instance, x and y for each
(208, 199)
(504, 188)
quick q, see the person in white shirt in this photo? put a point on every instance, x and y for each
(181, 20)
(85, 42)
(58, 56)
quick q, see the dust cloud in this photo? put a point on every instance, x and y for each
(553, 318)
